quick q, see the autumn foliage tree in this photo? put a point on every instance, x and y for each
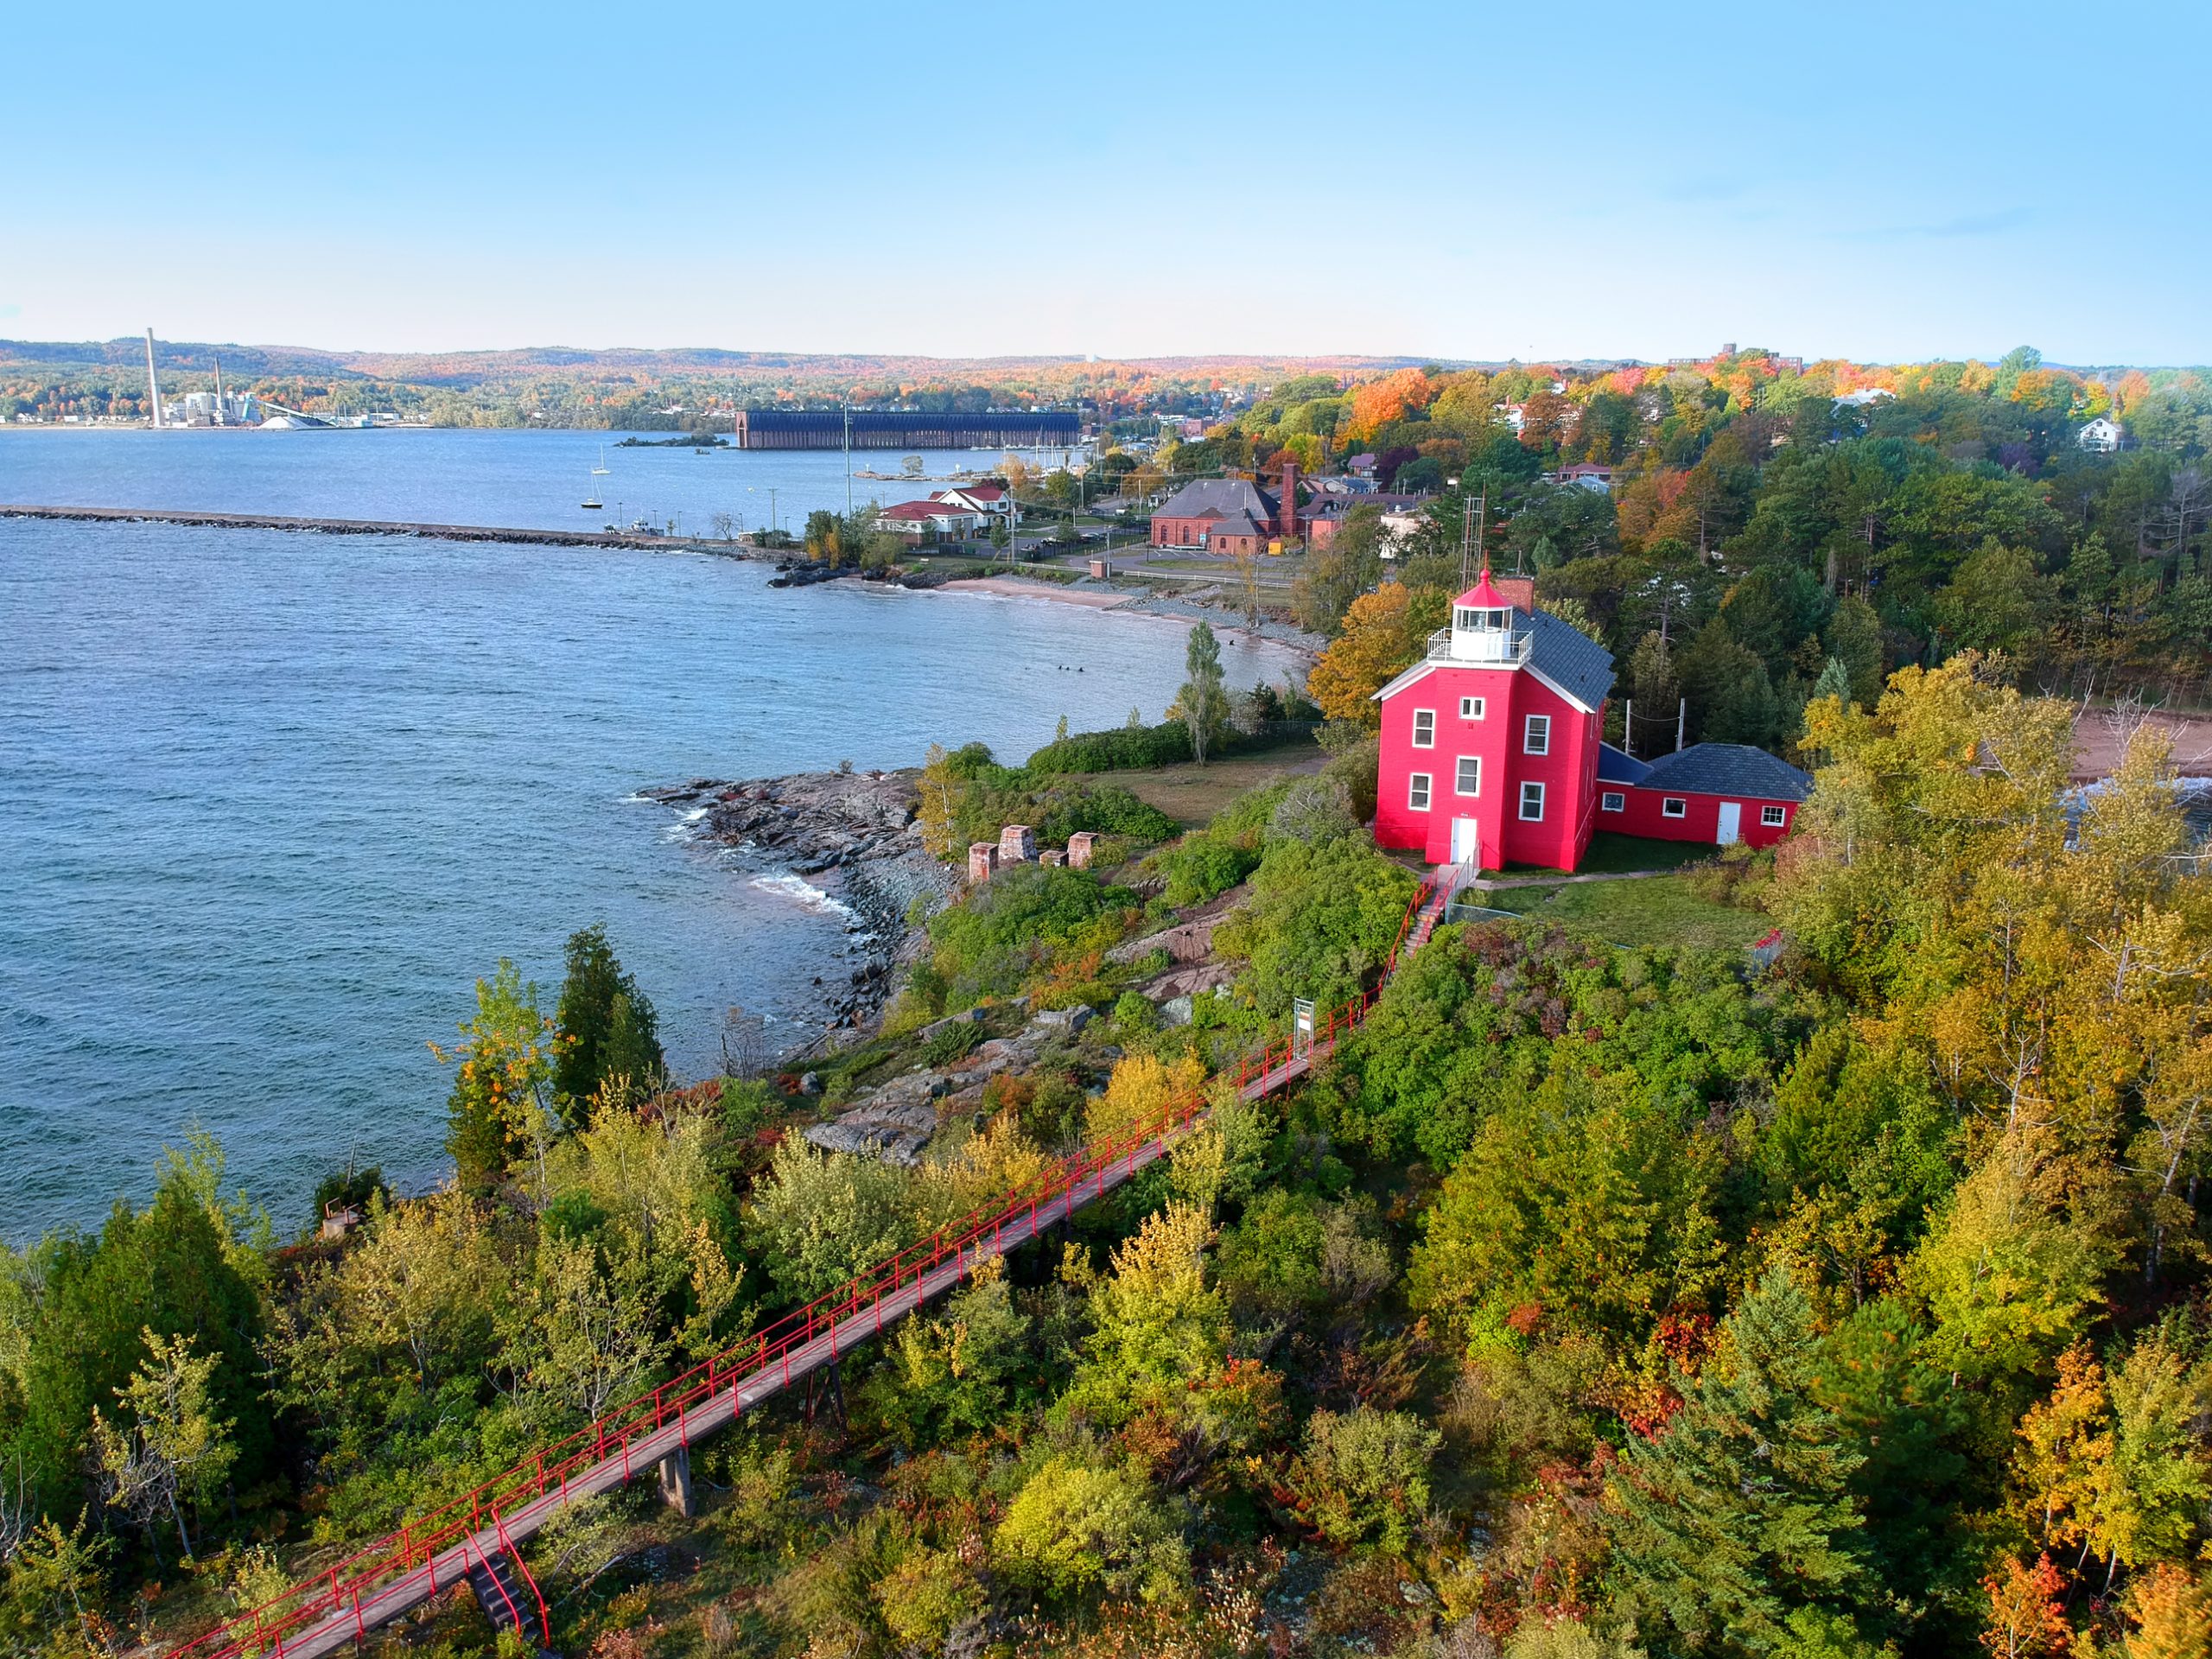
(1384, 632)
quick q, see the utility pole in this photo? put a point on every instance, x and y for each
(1628, 726)
(1682, 724)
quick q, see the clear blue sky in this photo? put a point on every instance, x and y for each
(1879, 180)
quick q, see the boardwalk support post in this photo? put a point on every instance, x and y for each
(676, 1481)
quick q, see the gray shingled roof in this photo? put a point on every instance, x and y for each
(1618, 767)
(1728, 769)
(1222, 495)
(1570, 660)
(1236, 524)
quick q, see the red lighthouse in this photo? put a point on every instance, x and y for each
(1490, 743)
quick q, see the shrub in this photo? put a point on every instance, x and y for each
(745, 1105)
(1364, 1475)
(1202, 867)
(1133, 1012)
(1125, 748)
(1018, 923)
(949, 1043)
(1320, 923)
(1072, 1530)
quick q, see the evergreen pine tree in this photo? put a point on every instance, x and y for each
(1854, 639)
(1741, 1512)
(1835, 681)
(592, 1047)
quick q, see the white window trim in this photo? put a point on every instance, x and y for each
(1528, 743)
(1459, 771)
(1420, 783)
(1612, 800)
(1473, 708)
(1428, 742)
(1674, 806)
(1774, 817)
(1536, 816)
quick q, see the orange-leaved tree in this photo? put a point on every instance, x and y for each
(1393, 397)
(1383, 632)
(2024, 1618)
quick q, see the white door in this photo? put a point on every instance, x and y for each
(1467, 842)
(1731, 817)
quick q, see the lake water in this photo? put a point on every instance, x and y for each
(270, 803)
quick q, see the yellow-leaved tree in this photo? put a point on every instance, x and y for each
(1384, 632)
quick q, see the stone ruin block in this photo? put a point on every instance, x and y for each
(1079, 846)
(1055, 858)
(983, 859)
(1017, 844)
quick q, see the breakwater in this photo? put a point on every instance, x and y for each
(381, 527)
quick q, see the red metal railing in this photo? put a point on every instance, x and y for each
(412, 1552)
(522, 1569)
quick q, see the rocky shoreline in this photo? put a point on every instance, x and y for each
(855, 829)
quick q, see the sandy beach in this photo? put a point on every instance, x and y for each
(1097, 598)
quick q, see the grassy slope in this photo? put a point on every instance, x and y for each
(1660, 910)
(1192, 794)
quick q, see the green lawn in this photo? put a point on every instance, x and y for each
(1192, 794)
(1610, 853)
(1661, 910)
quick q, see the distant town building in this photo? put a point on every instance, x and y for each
(1863, 397)
(1586, 474)
(1320, 519)
(1235, 506)
(2103, 436)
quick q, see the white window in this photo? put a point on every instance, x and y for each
(1674, 806)
(1417, 791)
(1470, 775)
(1773, 817)
(1472, 708)
(1532, 802)
(1538, 737)
(1613, 801)
(1424, 728)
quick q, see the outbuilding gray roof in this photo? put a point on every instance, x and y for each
(1220, 495)
(1569, 659)
(1618, 767)
(1236, 524)
(1728, 769)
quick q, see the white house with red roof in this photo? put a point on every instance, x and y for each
(918, 519)
(990, 503)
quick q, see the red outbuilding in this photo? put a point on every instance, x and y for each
(1491, 751)
(1717, 793)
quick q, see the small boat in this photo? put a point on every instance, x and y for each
(592, 503)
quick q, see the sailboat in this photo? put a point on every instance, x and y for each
(592, 500)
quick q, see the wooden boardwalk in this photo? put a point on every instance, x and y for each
(436, 1552)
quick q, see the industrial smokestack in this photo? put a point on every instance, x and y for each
(220, 418)
(153, 384)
